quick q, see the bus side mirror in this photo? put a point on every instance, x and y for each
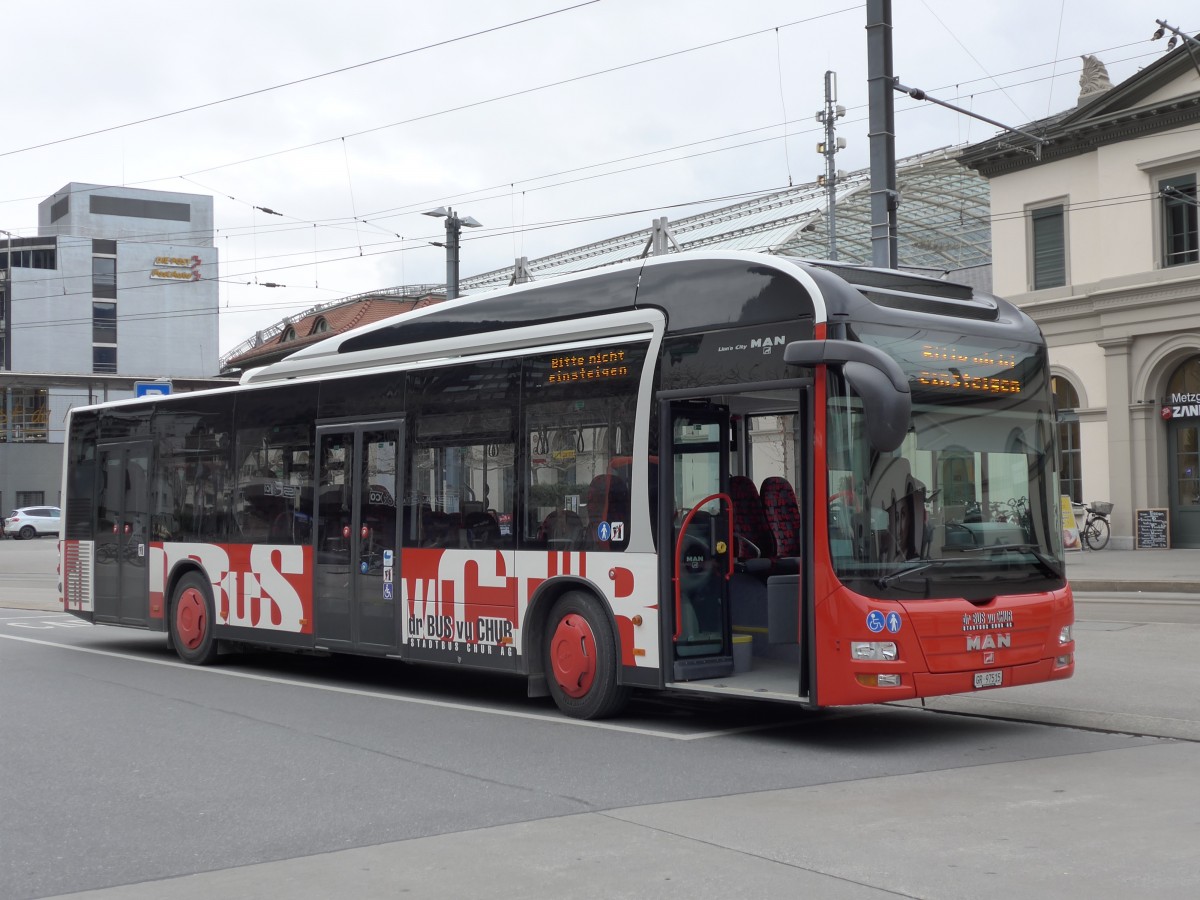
(873, 375)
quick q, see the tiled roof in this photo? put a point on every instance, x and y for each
(349, 314)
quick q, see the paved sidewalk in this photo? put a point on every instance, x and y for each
(1135, 571)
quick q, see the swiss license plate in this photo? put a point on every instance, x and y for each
(989, 679)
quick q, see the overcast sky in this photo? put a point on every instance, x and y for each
(585, 121)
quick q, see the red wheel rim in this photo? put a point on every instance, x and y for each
(573, 655)
(191, 618)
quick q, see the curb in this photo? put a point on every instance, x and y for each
(1110, 586)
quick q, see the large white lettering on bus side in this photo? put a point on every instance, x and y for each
(269, 600)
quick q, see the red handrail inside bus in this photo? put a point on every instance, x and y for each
(679, 551)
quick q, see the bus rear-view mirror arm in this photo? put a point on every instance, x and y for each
(873, 375)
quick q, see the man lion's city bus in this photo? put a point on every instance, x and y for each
(731, 473)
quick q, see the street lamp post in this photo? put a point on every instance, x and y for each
(454, 227)
(6, 311)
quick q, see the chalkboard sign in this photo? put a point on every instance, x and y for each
(1152, 531)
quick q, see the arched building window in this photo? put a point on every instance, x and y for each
(1070, 462)
(1186, 377)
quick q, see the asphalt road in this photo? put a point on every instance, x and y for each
(129, 775)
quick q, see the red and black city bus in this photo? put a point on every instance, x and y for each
(731, 473)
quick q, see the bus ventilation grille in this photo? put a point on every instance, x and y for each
(77, 574)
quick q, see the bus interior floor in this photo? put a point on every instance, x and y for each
(767, 679)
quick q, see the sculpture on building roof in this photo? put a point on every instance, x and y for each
(1093, 79)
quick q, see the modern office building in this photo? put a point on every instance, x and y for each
(118, 287)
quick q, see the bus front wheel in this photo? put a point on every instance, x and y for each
(581, 658)
(191, 620)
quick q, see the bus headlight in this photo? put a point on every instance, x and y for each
(873, 650)
(1064, 635)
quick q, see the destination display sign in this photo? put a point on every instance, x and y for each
(959, 368)
(592, 365)
(945, 364)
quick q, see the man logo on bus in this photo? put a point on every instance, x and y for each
(988, 641)
(766, 343)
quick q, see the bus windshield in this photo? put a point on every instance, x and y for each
(968, 504)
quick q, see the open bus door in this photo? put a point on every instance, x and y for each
(700, 554)
(122, 530)
(739, 590)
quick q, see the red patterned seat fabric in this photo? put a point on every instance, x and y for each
(749, 520)
(783, 515)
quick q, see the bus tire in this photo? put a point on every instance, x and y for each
(580, 658)
(191, 620)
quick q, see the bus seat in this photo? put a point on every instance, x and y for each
(783, 514)
(751, 531)
(437, 529)
(482, 530)
(561, 530)
(607, 501)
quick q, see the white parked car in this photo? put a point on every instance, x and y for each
(33, 521)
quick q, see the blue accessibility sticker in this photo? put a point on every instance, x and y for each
(604, 531)
(875, 621)
(893, 622)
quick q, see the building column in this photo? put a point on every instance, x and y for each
(1149, 457)
(1121, 455)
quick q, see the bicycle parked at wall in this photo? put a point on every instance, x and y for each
(1095, 528)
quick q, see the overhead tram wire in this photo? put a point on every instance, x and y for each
(511, 95)
(506, 186)
(546, 86)
(996, 217)
(348, 220)
(418, 243)
(396, 211)
(294, 82)
(577, 220)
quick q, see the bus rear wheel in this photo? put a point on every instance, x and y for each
(191, 620)
(580, 658)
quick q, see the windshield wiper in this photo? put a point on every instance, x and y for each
(1048, 563)
(885, 580)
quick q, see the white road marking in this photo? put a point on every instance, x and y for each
(399, 698)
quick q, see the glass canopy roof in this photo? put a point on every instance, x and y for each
(943, 225)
